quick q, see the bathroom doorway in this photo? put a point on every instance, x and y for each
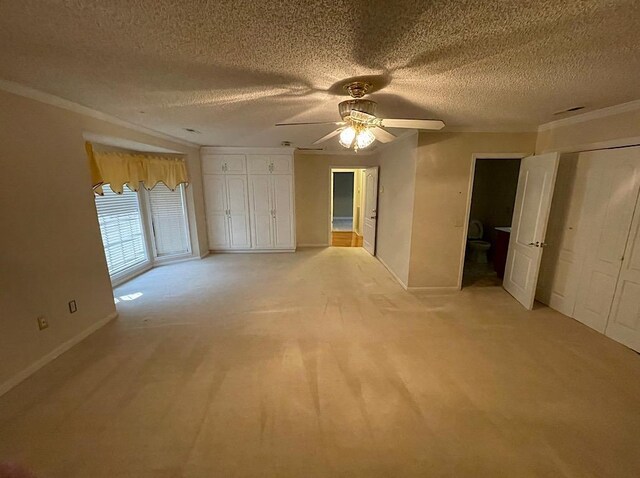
(493, 194)
(347, 207)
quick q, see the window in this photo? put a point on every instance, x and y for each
(122, 231)
(169, 221)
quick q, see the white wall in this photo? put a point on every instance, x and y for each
(395, 204)
(50, 247)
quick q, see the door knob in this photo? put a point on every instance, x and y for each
(537, 244)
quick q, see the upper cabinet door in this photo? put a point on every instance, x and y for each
(281, 164)
(283, 226)
(270, 164)
(235, 163)
(238, 200)
(259, 164)
(213, 164)
(224, 164)
(536, 183)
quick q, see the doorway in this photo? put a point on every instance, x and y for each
(347, 207)
(493, 196)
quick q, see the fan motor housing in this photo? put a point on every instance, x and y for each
(365, 106)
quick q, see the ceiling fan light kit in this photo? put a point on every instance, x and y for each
(360, 127)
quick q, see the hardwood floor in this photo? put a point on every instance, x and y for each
(345, 239)
(318, 364)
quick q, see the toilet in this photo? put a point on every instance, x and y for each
(477, 247)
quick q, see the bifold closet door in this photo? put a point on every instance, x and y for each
(610, 198)
(238, 206)
(262, 211)
(215, 193)
(282, 197)
(624, 320)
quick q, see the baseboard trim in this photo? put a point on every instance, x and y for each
(38, 364)
(205, 254)
(250, 251)
(434, 289)
(400, 281)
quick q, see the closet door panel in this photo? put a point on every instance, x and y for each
(239, 229)
(624, 321)
(283, 206)
(611, 194)
(261, 211)
(215, 193)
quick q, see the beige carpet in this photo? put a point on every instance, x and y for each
(317, 364)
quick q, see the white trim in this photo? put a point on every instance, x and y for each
(250, 251)
(488, 129)
(599, 145)
(38, 364)
(42, 97)
(591, 115)
(344, 152)
(450, 288)
(244, 150)
(128, 274)
(314, 245)
(204, 254)
(465, 224)
(393, 274)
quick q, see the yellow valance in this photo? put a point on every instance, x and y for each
(119, 168)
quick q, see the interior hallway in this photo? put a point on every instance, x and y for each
(319, 364)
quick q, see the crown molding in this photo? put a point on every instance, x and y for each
(345, 152)
(47, 98)
(591, 115)
(245, 150)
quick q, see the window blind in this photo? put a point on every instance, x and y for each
(169, 221)
(122, 230)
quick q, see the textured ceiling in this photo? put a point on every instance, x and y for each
(232, 69)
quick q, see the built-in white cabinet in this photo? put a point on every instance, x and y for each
(270, 164)
(228, 223)
(591, 267)
(249, 199)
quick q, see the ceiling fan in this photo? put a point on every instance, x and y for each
(360, 127)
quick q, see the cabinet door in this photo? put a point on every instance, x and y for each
(261, 211)
(238, 201)
(610, 197)
(213, 164)
(282, 197)
(281, 164)
(215, 196)
(259, 164)
(235, 163)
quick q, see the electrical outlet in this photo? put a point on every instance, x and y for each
(73, 307)
(42, 323)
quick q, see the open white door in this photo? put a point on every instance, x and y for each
(529, 225)
(370, 210)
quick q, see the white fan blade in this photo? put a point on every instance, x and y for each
(411, 123)
(328, 136)
(337, 123)
(382, 135)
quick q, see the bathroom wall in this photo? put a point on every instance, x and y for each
(441, 187)
(494, 193)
